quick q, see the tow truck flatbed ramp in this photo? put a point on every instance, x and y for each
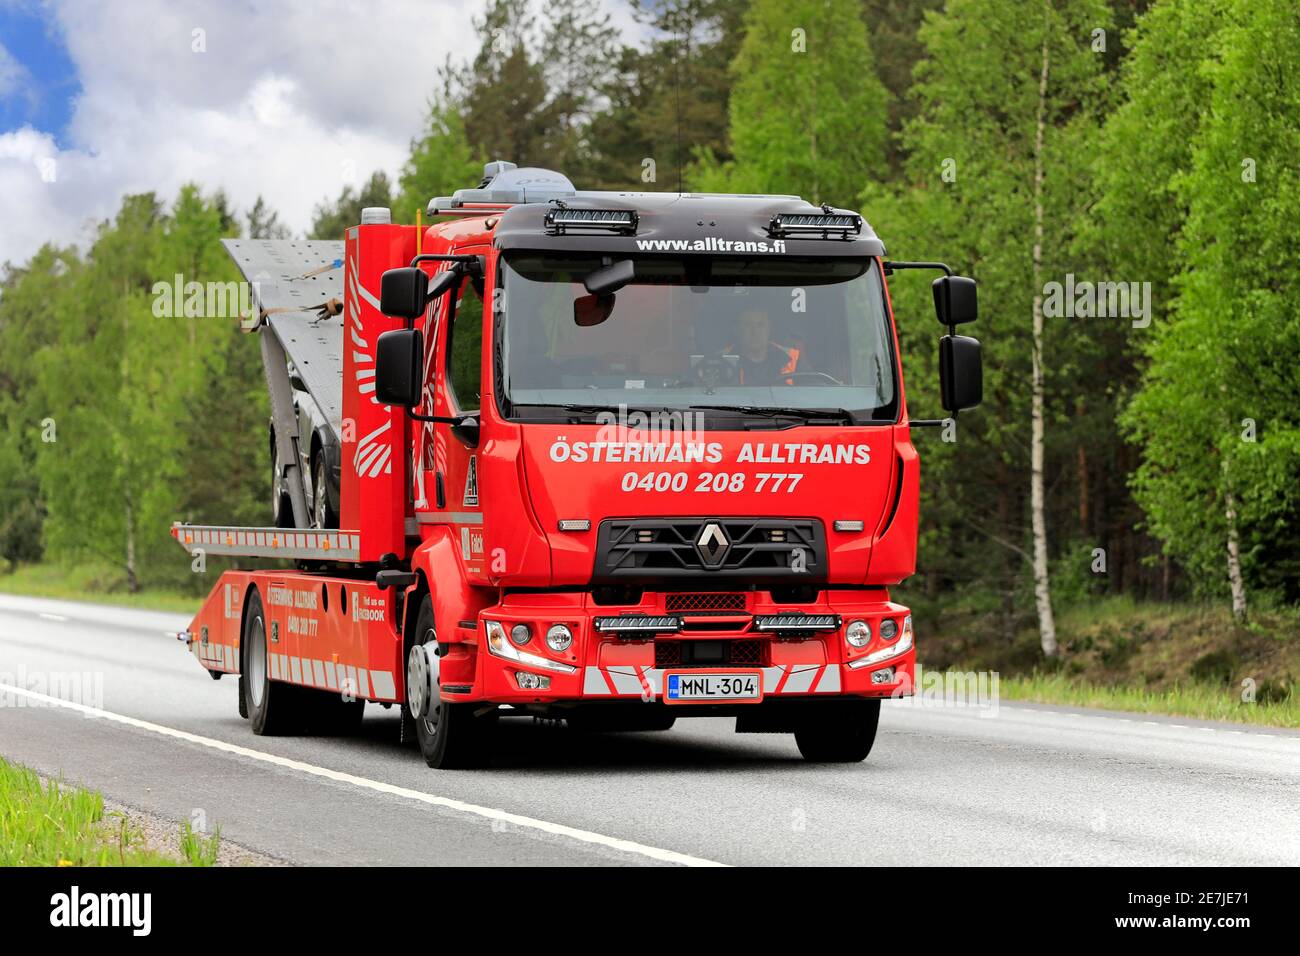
(291, 279)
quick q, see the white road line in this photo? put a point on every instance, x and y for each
(1112, 718)
(490, 813)
(51, 617)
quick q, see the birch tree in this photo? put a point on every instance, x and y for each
(1008, 96)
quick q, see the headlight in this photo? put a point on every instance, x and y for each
(888, 629)
(521, 634)
(499, 645)
(559, 637)
(893, 650)
(858, 633)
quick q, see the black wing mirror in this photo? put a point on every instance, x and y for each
(399, 366)
(404, 293)
(961, 372)
(954, 300)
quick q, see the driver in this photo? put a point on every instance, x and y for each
(762, 361)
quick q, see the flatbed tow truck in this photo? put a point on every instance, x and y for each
(613, 458)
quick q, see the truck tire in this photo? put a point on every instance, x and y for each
(839, 731)
(451, 736)
(274, 708)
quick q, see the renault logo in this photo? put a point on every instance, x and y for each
(712, 544)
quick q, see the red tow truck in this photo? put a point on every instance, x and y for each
(615, 458)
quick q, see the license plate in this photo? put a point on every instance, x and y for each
(694, 686)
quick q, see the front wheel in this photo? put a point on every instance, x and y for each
(839, 731)
(451, 736)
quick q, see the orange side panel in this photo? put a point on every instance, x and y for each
(329, 633)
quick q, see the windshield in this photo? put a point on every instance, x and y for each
(801, 338)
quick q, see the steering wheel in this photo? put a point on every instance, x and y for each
(714, 370)
(813, 378)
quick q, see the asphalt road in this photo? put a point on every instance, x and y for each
(944, 785)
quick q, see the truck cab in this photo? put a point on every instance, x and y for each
(661, 462)
(610, 458)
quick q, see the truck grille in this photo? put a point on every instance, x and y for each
(705, 602)
(756, 550)
(733, 653)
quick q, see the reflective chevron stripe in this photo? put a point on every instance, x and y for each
(628, 680)
(327, 675)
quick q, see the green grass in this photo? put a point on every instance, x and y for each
(1201, 701)
(94, 584)
(45, 824)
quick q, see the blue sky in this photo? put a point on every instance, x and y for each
(44, 81)
(289, 100)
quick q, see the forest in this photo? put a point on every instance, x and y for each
(1121, 177)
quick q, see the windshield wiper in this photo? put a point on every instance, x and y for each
(835, 416)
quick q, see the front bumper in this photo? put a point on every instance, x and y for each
(610, 666)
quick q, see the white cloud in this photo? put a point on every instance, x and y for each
(288, 101)
(11, 73)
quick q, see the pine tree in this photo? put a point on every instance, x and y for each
(332, 219)
(441, 162)
(807, 111)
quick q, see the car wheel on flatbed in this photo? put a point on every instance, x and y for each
(451, 736)
(838, 731)
(324, 516)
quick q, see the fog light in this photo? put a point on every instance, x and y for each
(888, 629)
(529, 681)
(559, 637)
(883, 676)
(858, 633)
(521, 634)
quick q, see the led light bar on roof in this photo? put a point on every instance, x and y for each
(560, 220)
(825, 225)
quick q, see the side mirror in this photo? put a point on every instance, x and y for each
(399, 367)
(961, 372)
(611, 278)
(954, 300)
(403, 292)
(589, 310)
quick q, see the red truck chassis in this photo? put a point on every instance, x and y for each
(487, 564)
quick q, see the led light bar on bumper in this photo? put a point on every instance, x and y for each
(639, 624)
(561, 220)
(500, 646)
(803, 623)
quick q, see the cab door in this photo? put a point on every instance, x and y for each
(448, 492)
